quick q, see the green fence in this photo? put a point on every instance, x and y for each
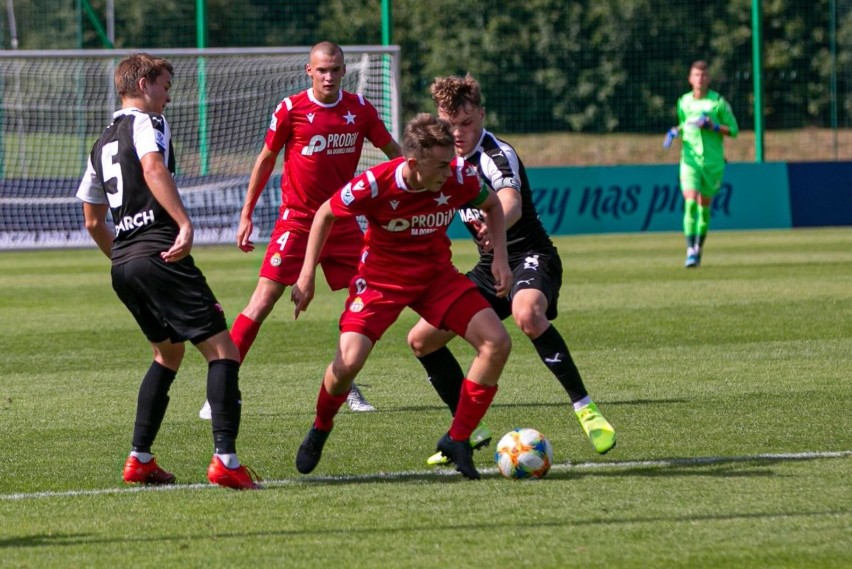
(572, 82)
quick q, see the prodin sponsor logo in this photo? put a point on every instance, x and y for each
(129, 223)
(275, 260)
(421, 224)
(343, 143)
(357, 305)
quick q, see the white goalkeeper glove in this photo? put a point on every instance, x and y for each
(670, 136)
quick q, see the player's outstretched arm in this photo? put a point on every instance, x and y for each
(510, 201)
(302, 293)
(162, 186)
(671, 134)
(482, 239)
(94, 217)
(392, 149)
(263, 167)
(727, 119)
(492, 209)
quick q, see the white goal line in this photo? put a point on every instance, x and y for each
(444, 472)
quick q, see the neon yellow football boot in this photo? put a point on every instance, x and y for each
(598, 429)
(479, 438)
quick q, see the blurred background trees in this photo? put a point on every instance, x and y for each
(592, 66)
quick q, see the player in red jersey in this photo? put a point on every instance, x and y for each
(406, 262)
(322, 131)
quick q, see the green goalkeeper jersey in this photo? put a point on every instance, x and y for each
(703, 147)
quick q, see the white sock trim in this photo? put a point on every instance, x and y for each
(230, 460)
(143, 457)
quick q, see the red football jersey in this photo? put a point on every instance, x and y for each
(406, 240)
(322, 145)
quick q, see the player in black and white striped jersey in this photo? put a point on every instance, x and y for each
(130, 174)
(535, 263)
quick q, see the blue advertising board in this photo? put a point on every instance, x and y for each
(625, 199)
(821, 193)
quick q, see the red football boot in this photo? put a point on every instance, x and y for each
(136, 472)
(240, 478)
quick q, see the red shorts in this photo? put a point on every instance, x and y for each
(448, 302)
(339, 258)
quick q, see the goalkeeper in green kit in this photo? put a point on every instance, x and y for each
(704, 119)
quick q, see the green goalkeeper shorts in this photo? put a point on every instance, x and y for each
(708, 181)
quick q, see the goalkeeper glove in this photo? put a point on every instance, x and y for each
(704, 122)
(670, 136)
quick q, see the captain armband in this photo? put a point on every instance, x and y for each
(483, 195)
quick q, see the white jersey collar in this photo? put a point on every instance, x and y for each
(400, 180)
(478, 147)
(316, 101)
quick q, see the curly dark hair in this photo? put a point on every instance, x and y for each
(454, 93)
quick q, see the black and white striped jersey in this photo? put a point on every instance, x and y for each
(114, 176)
(502, 170)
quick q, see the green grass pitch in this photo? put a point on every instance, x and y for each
(729, 387)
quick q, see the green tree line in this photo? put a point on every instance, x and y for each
(545, 65)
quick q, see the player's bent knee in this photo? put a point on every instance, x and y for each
(219, 347)
(530, 317)
(532, 327)
(416, 343)
(263, 300)
(344, 371)
(169, 355)
(423, 345)
(497, 348)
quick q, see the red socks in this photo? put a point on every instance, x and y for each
(327, 407)
(473, 403)
(243, 333)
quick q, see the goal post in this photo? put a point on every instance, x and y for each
(54, 105)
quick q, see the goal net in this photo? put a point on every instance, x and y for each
(55, 104)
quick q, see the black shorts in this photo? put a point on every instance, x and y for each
(539, 270)
(170, 301)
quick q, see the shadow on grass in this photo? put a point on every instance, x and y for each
(79, 539)
(716, 471)
(723, 467)
(42, 539)
(534, 405)
(497, 405)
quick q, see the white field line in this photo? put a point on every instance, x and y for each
(443, 472)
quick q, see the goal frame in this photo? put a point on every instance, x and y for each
(31, 201)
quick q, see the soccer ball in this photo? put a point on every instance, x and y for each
(524, 453)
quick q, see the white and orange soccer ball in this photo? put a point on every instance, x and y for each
(524, 453)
